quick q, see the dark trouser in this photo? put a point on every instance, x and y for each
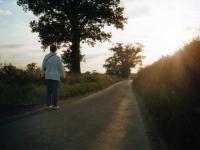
(52, 92)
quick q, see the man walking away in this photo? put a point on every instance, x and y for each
(52, 71)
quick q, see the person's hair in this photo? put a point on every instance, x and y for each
(53, 48)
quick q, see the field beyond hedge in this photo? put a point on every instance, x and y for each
(169, 89)
(21, 88)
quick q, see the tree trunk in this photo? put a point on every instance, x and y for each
(125, 71)
(75, 64)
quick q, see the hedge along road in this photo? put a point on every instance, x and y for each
(107, 120)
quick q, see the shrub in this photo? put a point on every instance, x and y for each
(170, 91)
(26, 87)
(15, 85)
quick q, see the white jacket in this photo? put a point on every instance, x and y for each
(52, 67)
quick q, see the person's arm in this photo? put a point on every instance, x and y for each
(62, 70)
(43, 68)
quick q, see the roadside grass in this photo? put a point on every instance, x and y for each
(25, 88)
(169, 89)
(67, 90)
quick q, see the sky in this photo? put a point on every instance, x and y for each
(162, 26)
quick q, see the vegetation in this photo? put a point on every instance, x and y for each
(124, 58)
(169, 88)
(67, 23)
(26, 87)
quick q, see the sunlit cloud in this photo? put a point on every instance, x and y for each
(140, 12)
(10, 46)
(95, 56)
(5, 12)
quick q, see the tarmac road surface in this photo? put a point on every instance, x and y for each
(107, 120)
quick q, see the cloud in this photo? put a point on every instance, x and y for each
(11, 46)
(5, 12)
(139, 11)
(194, 29)
(95, 56)
(7, 1)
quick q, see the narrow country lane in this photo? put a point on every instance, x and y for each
(107, 120)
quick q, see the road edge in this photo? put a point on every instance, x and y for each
(42, 108)
(152, 131)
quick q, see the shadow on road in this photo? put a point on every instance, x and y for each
(73, 127)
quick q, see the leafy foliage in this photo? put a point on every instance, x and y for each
(125, 57)
(67, 58)
(26, 88)
(69, 22)
(14, 85)
(170, 90)
(33, 69)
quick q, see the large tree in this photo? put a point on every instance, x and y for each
(70, 22)
(124, 58)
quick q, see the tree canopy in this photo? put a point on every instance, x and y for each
(124, 58)
(69, 22)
